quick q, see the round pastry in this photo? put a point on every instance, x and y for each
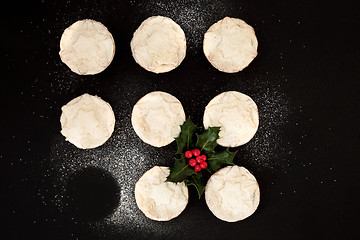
(157, 117)
(87, 47)
(230, 45)
(159, 44)
(87, 121)
(232, 194)
(236, 114)
(160, 200)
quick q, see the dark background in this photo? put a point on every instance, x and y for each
(305, 155)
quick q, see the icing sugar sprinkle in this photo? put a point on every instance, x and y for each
(126, 162)
(126, 158)
(194, 17)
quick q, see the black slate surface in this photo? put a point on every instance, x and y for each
(305, 155)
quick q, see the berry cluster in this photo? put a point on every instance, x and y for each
(199, 162)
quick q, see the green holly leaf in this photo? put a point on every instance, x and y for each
(219, 159)
(185, 140)
(206, 142)
(180, 171)
(198, 181)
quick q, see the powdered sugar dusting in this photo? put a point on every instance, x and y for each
(125, 159)
(194, 17)
(268, 149)
(124, 156)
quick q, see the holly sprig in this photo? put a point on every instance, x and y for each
(216, 157)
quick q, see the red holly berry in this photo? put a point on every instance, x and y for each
(197, 168)
(203, 157)
(203, 165)
(199, 159)
(188, 154)
(192, 162)
(196, 152)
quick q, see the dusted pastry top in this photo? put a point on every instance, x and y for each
(159, 44)
(157, 199)
(232, 193)
(156, 118)
(230, 45)
(87, 47)
(236, 114)
(87, 121)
